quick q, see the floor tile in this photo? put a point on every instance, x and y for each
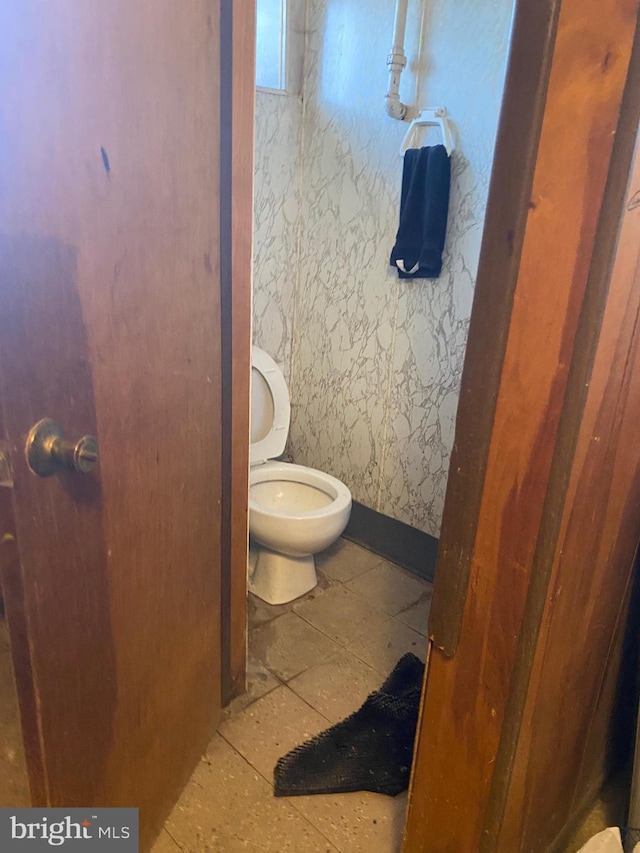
(271, 727)
(384, 643)
(337, 687)
(14, 784)
(5, 642)
(357, 823)
(260, 612)
(259, 682)
(345, 560)
(165, 844)
(609, 809)
(388, 587)
(339, 613)
(417, 615)
(228, 807)
(289, 645)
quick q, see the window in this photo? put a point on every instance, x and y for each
(271, 47)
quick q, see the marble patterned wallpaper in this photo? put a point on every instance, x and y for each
(277, 166)
(373, 363)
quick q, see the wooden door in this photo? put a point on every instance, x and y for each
(110, 305)
(543, 507)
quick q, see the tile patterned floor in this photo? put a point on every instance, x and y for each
(311, 663)
(14, 786)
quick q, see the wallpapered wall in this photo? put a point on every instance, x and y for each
(373, 363)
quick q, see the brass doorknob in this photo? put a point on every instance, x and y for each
(48, 451)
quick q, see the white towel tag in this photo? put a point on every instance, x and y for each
(400, 265)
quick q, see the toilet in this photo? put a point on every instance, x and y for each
(294, 511)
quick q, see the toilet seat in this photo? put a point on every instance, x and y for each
(338, 494)
(270, 409)
(270, 418)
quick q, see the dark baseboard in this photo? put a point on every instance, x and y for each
(396, 541)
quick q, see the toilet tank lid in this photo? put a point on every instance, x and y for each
(270, 408)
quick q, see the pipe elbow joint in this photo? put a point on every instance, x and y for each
(395, 108)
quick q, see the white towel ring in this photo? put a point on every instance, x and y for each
(436, 117)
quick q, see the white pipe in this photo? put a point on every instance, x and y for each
(396, 62)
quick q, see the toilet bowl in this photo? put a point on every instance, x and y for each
(294, 511)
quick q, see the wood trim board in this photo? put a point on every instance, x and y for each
(508, 208)
(588, 339)
(238, 90)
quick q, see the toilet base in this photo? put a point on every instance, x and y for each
(279, 579)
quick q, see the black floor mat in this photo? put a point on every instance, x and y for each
(369, 751)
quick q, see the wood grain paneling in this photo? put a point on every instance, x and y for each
(110, 304)
(467, 695)
(563, 735)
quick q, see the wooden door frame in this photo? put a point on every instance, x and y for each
(527, 101)
(237, 80)
(457, 799)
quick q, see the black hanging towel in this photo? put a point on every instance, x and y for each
(424, 206)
